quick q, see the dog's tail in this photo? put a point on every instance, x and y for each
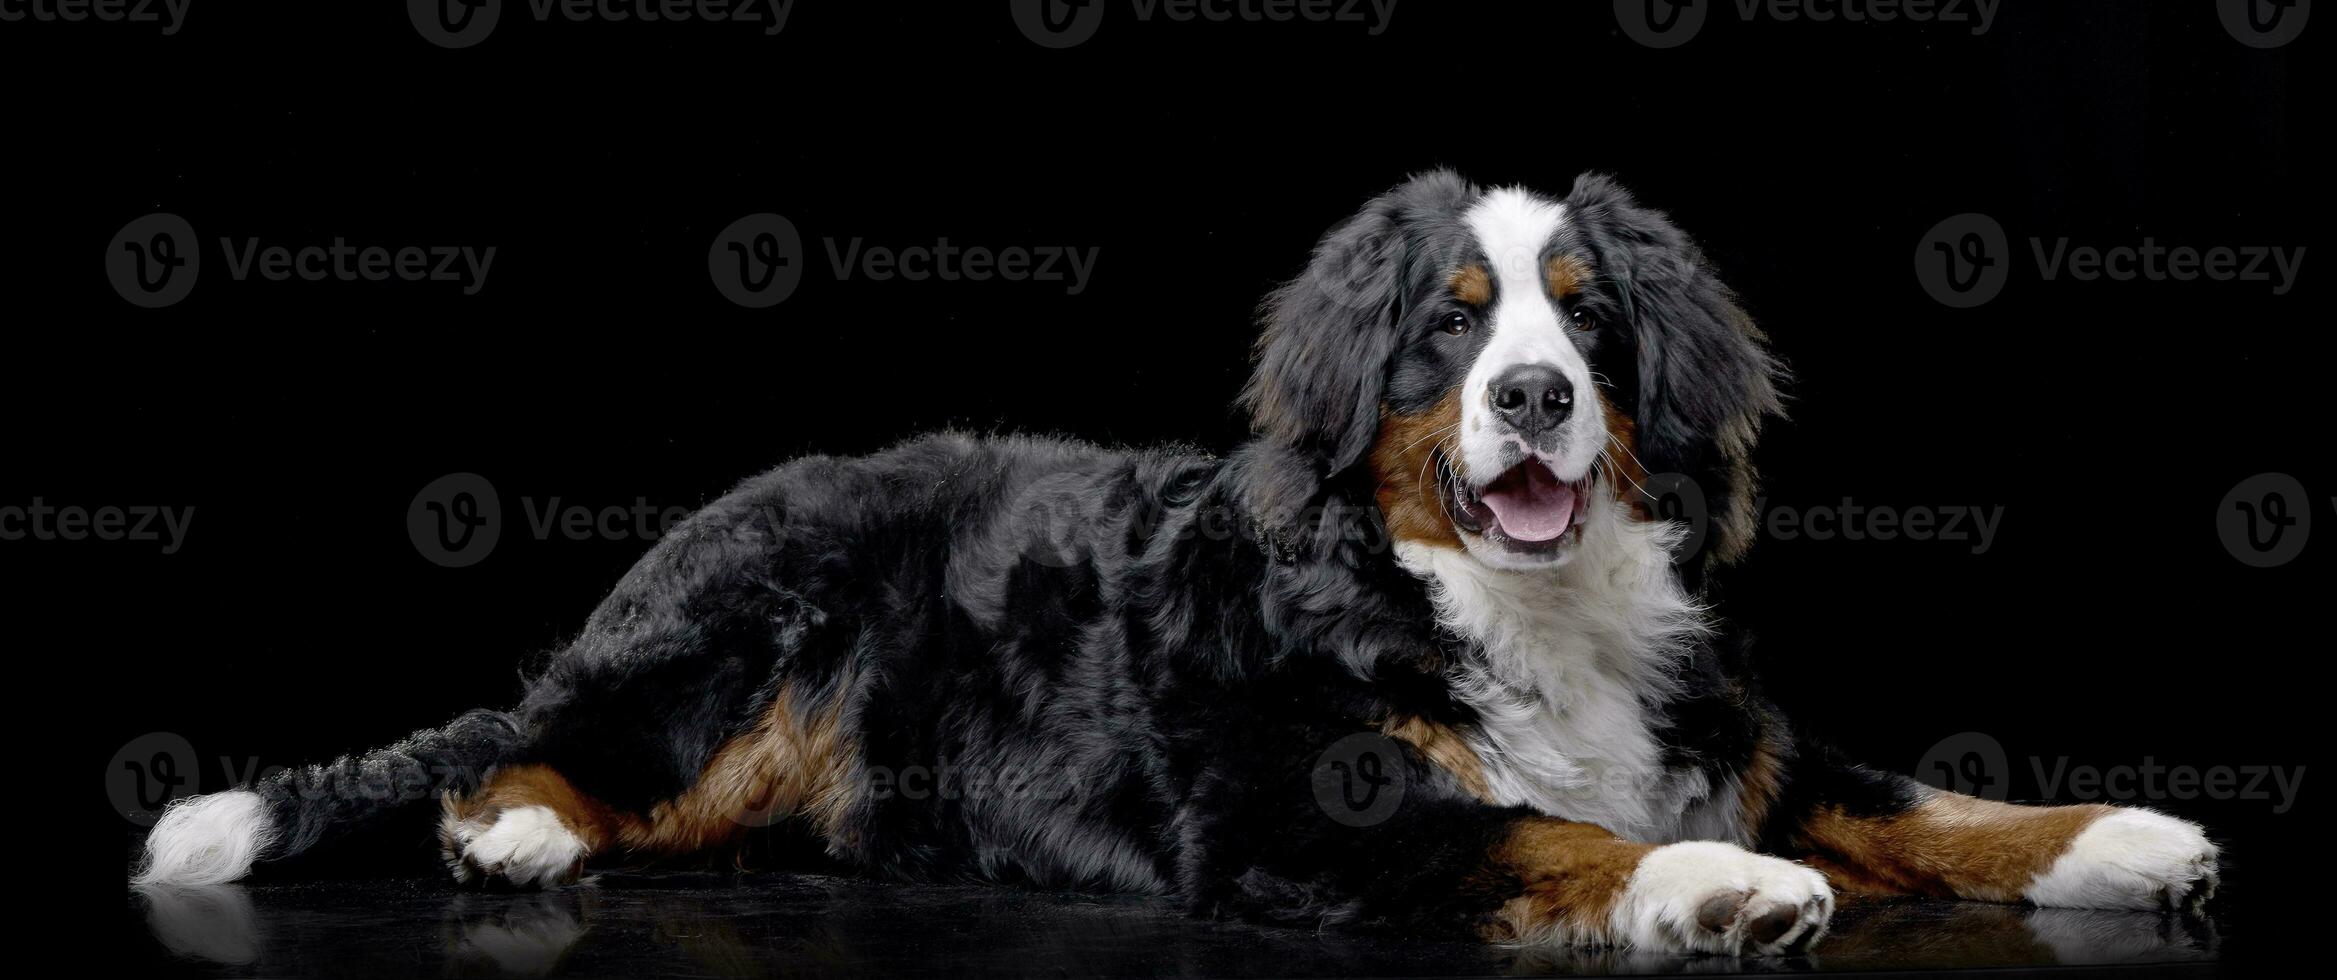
(206, 840)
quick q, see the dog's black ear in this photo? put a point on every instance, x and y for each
(1706, 378)
(1323, 358)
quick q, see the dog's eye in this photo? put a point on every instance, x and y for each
(1456, 324)
(1584, 321)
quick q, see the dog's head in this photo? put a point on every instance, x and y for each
(1495, 358)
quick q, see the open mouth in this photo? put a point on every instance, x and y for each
(1525, 509)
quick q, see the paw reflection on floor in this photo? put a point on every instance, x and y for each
(513, 935)
(731, 925)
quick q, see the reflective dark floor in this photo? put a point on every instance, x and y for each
(706, 924)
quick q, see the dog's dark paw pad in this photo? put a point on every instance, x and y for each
(1773, 925)
(1720, 911)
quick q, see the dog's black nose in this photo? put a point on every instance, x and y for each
(1533, 398)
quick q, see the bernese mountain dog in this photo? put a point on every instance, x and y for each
(1419, 656)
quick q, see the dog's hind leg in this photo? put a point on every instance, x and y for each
(530, 826)
(799, 763)
(706, 697)
(526, 827)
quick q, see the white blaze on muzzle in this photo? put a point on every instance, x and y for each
(1514, 229)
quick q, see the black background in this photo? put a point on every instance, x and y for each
(2106, 624)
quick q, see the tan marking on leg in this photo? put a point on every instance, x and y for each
(464, 820)
(793, 763)
(1566, 275)
(1573, 873)
(1404, 463)
(1471, 285)
(592, 821)
(1759, 784)
(1444, 747)
(1947, 846)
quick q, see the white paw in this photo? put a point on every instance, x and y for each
(525, 846)
(1710, 897)
(2131, 859)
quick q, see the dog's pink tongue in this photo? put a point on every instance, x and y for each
(1533, 506)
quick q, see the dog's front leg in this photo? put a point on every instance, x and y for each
(1458, 867)
(1884, 833)
(1576, 884)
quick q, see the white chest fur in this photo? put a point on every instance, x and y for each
(1577, 662)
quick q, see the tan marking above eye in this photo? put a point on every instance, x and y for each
(1470, 284)
(1566, 275)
